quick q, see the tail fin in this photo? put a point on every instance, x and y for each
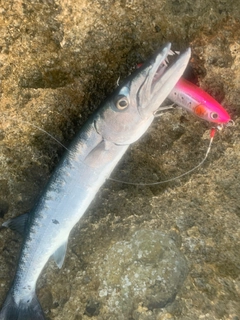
(27, 310)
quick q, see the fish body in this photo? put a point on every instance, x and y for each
(121, 120)
(197, 101)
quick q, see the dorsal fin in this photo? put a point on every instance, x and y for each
(18, 223)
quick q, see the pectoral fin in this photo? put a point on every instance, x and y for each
(102, 154)
(59, 254)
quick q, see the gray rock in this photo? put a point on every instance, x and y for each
(146, 271)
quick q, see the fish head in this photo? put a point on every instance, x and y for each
(129, 111)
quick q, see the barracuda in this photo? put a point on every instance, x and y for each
(121, 120)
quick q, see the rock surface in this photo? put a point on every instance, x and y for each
(58, 61)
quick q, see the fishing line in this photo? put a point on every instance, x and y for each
(42, 130)
(212, 133)
(49, 134)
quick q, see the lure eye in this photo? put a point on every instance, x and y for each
(214, 115)
(122, 103)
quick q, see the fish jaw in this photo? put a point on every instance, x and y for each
(160, 81)
(199, 102)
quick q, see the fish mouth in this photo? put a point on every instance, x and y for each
(156, 79)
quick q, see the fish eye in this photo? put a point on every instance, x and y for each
(214, 115)
(122, 103)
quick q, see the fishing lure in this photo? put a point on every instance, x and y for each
(200, 103)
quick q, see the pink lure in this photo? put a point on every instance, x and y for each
(194, 99)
